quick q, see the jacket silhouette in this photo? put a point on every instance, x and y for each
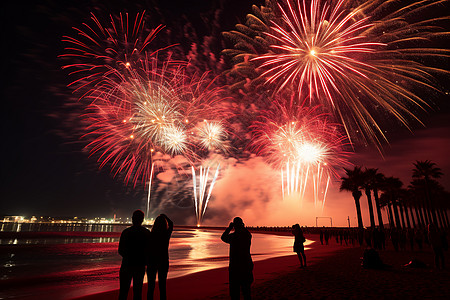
(241, 264)
(133, 247)
(158, 255)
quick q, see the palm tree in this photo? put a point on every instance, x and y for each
(444, 206)
(427, 171)
(391, 190)
(385, 202)
(417, 187)
(368, 183)
(403, 200)
(416, 205)
(408, 205)
(352, 183)
(378, 182)
(438, 194)
(374, 180)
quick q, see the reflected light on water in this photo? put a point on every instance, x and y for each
(86, 265)
(204, 250)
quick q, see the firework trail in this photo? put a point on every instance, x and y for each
(303, 144)
(200, 186)
(149, 190)
(364, 63)
(144, 116)
(139, 104)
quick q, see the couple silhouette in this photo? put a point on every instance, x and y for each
(141, 249)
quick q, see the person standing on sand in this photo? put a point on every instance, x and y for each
(158, 258)
(298, 244)
(133, 247)
(241, 264)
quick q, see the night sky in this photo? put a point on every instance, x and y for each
(45, 170)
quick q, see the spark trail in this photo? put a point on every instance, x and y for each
(203, 186)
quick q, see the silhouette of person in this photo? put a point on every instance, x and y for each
(158, 259)
(241, 264)
(133, 247)
(321, 236)
(298, 244)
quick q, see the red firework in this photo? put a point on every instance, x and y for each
(283, 132)
(366, 62)
(164, 112)
(107, 49)
(303, 144)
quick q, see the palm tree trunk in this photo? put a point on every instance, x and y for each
(357, 196)
(418, 216)
(446, 217)
(425, 213)
(439, 217)
(377, 204)
(441, 212)
(443, 218)
(412, 217)
(430, 203)
(405, 208)
(397, 219)
(433, 214)
(369, 202)
(402, 215)
(391, 216)
(388, 216)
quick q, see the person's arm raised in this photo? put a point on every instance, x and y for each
(169, 223)
(226, 234)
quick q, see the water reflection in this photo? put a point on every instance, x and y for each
(200, 250)
(56, 240)
(82, 265)
(60, 227)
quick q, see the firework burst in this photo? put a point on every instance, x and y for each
(107, 50)
(168, 113)
(303, 144)
(364, 63)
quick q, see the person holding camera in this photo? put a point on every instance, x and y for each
(241, 264)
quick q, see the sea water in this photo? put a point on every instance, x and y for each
(42, 266)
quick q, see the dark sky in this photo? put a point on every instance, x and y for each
(44, 169)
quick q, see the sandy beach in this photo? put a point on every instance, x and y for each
(333, 272)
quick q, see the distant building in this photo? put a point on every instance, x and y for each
(15, 219)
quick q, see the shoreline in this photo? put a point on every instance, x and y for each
(214, 283)
(334, 272)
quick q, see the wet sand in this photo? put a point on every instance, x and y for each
(333, 272)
